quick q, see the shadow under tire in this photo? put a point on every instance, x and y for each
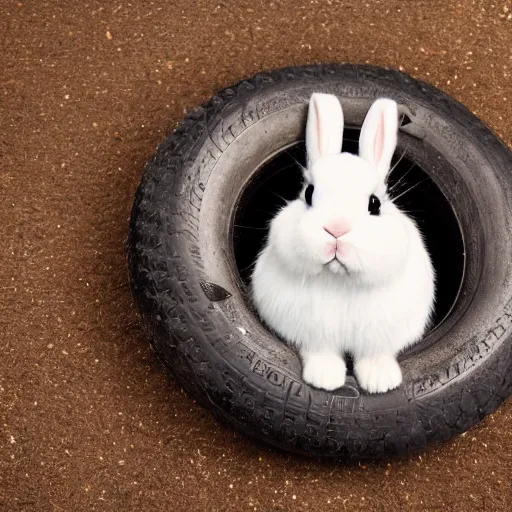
(187, 279)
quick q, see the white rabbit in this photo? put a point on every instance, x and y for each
(343, 269)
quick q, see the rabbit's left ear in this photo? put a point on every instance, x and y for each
(324, 128)
(377, 142)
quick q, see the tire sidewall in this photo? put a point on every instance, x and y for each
(221, 353)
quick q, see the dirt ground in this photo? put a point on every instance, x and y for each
(88, 418)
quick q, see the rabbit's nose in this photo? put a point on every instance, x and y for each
(337, 229)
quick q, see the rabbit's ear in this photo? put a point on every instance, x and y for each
(378, 138)
(324, 128)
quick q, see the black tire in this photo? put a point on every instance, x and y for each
(194, 304)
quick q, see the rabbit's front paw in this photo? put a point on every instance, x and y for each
(324, 370)
(378, 374)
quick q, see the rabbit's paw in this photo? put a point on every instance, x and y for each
(378, 374)
(324, 370)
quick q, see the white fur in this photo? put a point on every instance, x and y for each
(324, 134)
(379, 135)
(376, 297)
(323, 369)
(378, 374)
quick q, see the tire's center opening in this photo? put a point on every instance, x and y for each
(280, 179)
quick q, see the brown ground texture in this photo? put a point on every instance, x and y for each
(88, 418)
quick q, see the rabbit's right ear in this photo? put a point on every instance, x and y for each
(324, 128)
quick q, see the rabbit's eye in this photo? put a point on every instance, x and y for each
(308, 194)
(374, 205)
